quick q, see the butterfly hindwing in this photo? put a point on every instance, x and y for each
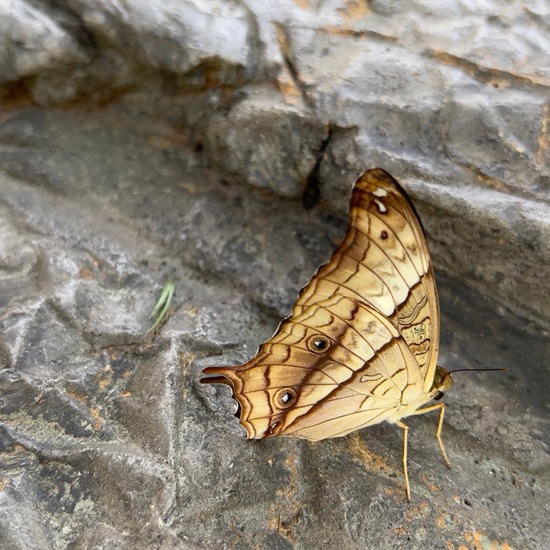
(343, 363)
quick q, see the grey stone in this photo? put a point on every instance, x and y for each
(32, 41)
(263, 125)
(143, 141)
(174, 35)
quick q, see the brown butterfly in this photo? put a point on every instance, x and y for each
(361, 344)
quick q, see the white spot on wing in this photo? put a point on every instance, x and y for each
(379, 192)
(381, 206)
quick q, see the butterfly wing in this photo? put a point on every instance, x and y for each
(374, 308)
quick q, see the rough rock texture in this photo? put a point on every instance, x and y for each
(141, 140)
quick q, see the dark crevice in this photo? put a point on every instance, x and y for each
(286, 51)
(312, 189)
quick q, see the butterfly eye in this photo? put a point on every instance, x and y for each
(285, 397)
(439, 395)
(318, 343)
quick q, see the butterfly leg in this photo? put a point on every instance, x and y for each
(441, 407)
(405, 472)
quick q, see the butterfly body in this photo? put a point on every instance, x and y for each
(360, 346)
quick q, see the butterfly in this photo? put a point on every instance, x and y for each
(361, 344)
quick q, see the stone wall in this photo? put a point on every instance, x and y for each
(141, 141)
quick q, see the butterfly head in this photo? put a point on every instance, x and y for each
(443, 382)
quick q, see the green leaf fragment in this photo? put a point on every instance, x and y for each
(162, 307)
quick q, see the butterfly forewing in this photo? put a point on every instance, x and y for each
(384, 261)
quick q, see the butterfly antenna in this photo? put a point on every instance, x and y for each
(474, 370)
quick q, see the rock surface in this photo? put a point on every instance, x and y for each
(141, 141)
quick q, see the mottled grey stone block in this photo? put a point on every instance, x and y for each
(141, 141)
